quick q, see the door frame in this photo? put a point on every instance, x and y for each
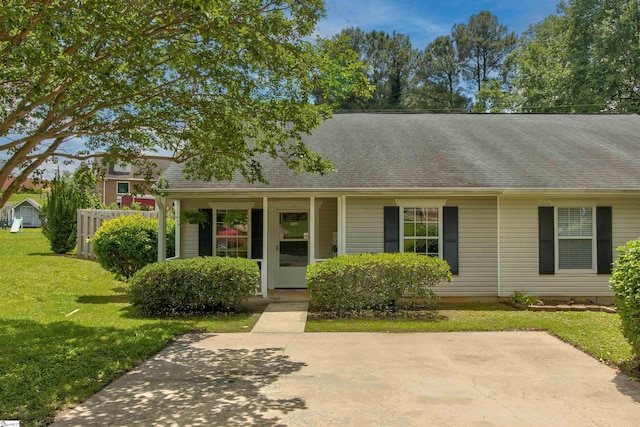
(273, 235)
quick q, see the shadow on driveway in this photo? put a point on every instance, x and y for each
(186, 385)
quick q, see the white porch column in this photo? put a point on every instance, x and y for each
(342, 226)
(312, 230)
(176, 210)
(162, 228)
(265, 247)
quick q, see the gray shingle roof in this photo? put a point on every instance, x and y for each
(508, 151)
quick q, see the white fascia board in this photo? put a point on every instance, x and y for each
(397, 192)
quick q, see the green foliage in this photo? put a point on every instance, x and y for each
(585, 59)
(196, 285)
(125, 244)
(482, 45)
(86, 183)
(436, 84)
(193, 217)
(520, 297)
(351, 283)
(625, 282)
(59, 217)
(218, 83)
(389, 60)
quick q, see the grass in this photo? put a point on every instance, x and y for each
(598, 334)
(67, 329)
(15, 198)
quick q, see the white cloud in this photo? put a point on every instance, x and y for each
(409, 19)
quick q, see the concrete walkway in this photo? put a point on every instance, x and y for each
(362, 379)
(283, 317)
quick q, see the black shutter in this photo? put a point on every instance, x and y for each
(205, 234)
(450, 237)
(604, 243)
(391, 229)
(546, 245)
(256, 233)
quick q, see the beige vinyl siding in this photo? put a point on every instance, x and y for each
(365, 224)
(519, 247)
(477, 240)
(327, 223)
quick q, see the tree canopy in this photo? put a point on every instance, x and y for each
(208, 84)
(584, 59)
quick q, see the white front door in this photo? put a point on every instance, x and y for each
(292, 249)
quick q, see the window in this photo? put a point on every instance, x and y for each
(122, 188)
(232, 233)
(421, 231)
(575, 238)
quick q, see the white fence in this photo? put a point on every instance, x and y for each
(90, 220)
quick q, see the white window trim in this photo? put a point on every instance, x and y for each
(556, 241)
(123, 182)
(214, 221)
(439, 226)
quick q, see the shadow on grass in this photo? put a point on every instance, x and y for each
(45, 366)
(474, 306)
(189, 385)
(104, 299)
(52, 254)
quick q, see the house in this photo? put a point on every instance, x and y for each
(123, 184)
(515, 202)
(29, 210)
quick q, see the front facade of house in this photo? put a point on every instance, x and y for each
(513, 203)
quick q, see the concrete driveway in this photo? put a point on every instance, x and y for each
(363, 379)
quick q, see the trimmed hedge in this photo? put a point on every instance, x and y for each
(125, 244)
(352, 283)
(625, 283)
(196, 285)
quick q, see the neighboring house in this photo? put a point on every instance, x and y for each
(28, 184)
(122, 184)
(29, 210)
(514, 202)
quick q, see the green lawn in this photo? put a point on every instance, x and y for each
(598, 334)
(67, 329)
(15, 198)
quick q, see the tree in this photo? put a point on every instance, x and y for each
(59, 223)
(86, 183)
(482, 44)
(437, 80)
(389, 61)
(584, 59)
(207, 84)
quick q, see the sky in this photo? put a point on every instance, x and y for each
(424, 20)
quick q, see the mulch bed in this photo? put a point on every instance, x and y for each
(561, 306)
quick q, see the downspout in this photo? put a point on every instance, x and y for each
(499, 252)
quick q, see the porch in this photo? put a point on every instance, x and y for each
(282, 234)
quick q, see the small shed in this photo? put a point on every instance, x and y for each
(29, 210)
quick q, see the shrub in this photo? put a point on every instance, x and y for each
(352, 283)
(59, 217)
(625, 282)
(125, 244)
(520, 297)
(196, 285)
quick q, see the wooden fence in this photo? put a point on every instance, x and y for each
(90, 220)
